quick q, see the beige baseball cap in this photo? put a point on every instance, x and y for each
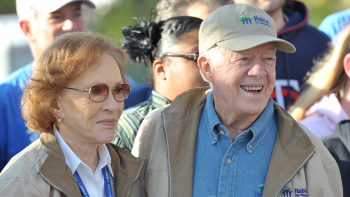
(239, 27)
(47, 6)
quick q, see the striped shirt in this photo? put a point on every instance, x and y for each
(131, 119)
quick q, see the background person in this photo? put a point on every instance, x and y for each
(334, 23)
(326, 101)
(171, 50)
(232, 139)
(338, 144)
(173, 8)
(41, 22)
(196, 8)
(291, 19)
(75, 98)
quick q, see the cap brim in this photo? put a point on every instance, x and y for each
(52, 6)
(247, 42)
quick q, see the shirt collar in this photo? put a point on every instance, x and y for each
(158, 100)
(73, 161)
(211, 116)
(257, 128)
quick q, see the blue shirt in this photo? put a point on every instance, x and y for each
(223, 168)
(14, 135)
(333, 24)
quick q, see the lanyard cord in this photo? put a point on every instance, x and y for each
(108, 186)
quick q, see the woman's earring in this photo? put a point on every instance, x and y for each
(59, 121)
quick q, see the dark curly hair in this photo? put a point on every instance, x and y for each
(150, 40)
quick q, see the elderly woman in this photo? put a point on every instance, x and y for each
(75, 98)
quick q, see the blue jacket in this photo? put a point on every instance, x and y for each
(138, 95)
(291, 68)
(14, 135)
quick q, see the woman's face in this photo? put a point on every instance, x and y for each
(83, 119)
(182, 73)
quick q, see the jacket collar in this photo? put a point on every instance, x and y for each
(342, 131)
(291, 150)
(126, 168)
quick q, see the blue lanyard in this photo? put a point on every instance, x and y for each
(108, 185)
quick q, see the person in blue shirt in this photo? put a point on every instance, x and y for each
(334, 23)
(291, 19)
(232, 139)
(41, 22)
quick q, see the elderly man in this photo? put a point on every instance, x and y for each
(41, 21)
(290, 19)
(232, 139)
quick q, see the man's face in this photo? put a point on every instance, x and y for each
(267, 5)
(200, 10)
(244, 80)
(47, 26)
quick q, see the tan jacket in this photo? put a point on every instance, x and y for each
(167, 139)
(41, 170)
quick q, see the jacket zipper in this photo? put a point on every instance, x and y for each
(52, 184)
(168, 162)
(137, 177)
(302, 165)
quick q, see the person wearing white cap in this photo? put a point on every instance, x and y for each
(41, 22)
(232, 139)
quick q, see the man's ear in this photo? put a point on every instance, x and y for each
(205, 67)
(346, 64)
(159, 69)
(25, 25)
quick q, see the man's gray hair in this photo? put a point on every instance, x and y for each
(171, 8)
(215, 56)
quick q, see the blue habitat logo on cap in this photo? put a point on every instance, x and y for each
(261, 20)
(245, 19)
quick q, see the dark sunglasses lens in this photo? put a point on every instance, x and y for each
(122, 92)
(99, 92)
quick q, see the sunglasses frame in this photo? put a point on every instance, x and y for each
(88, 91)
(193, 57)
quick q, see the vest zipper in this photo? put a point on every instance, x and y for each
(302, 165)
(137, 177)
(52, 184)
(168, 162)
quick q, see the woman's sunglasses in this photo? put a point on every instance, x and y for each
(99, 93)
(193, 57)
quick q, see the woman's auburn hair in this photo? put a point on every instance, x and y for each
(328, 77)
(66, 59)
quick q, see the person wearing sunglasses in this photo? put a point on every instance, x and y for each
(75, 98)
(170, 49)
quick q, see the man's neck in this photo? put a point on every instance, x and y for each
(162, 89)
(33, 66)
(232, 120)
(278, 18)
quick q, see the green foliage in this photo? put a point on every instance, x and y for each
(319, 9)
(7, 6)
(120, 17)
